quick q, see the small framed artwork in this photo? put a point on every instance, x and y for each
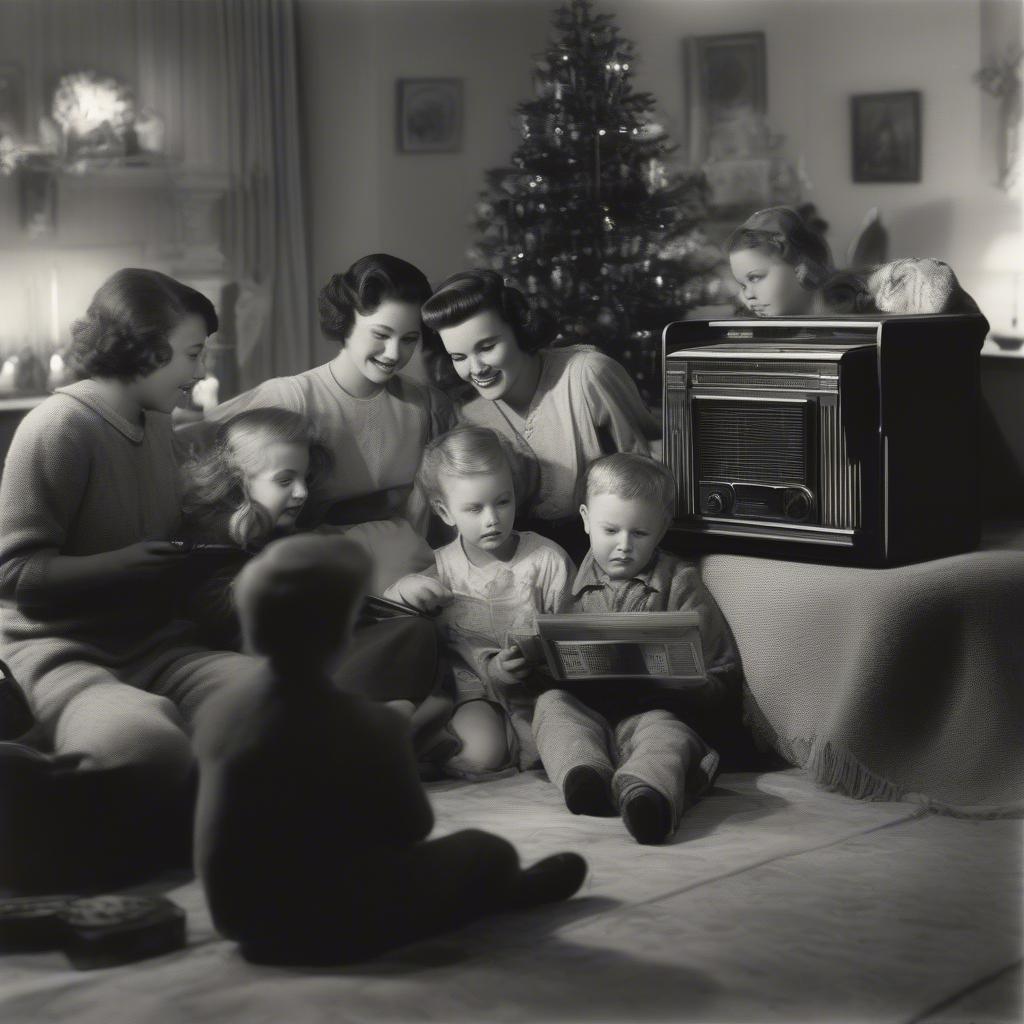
(886, 136)
(726, 97)
(429, 115)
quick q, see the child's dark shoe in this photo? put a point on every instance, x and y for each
(550, 880)
(647, 815)
(587, 791)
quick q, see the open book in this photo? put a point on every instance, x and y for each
(662, 646)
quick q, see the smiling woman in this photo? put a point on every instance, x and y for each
(375, 421)
(561, 408)
(89, 502)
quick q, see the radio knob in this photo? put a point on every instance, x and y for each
(715, 503)
(796, 505)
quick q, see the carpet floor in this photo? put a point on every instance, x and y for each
(776, 901)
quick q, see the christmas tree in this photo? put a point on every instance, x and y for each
(588, 221)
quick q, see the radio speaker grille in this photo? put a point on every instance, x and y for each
(759, 442)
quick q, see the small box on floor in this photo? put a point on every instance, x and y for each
(93, 931)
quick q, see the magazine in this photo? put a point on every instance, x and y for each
(661, 646)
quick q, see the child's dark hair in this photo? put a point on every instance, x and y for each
(631, 476)
(216, 505)
(783, 233)
(363, 287)
(297, 601)
(124, 331)
(473, 291)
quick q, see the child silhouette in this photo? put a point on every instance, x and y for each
(311, 819)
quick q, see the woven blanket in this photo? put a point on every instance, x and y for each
(903, 683)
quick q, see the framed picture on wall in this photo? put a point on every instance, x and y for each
(886, 136)
(726, 96)
(429, 115)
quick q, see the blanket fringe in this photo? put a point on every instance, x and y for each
(837, 769)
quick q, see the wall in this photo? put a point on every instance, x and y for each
(364, 195)
(169, 54)
(819, 53)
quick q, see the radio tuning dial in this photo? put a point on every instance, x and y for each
(796, 505)
(716, 503)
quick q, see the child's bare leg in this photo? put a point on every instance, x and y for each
(664, 766)
(575, 745)
(482, 730)
(405, 708)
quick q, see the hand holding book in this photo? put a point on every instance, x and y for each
(422, 593)
(511, 662)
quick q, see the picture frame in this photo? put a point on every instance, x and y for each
(726, 95)
(429, 115)
(885, 136)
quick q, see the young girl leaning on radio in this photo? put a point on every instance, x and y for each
(784, 268)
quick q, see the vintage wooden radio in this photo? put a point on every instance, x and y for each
(850, 439)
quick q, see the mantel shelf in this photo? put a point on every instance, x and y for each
(138, 175)
(143, 175)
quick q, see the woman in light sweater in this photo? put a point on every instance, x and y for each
(89, 504)
(374, 420)
(561, 408)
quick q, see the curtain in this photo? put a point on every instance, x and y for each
(221, 75)
(225, 73)
(265, 217)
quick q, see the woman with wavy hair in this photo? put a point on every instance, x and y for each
(89, 506)
(561, 408)
(374, 420)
